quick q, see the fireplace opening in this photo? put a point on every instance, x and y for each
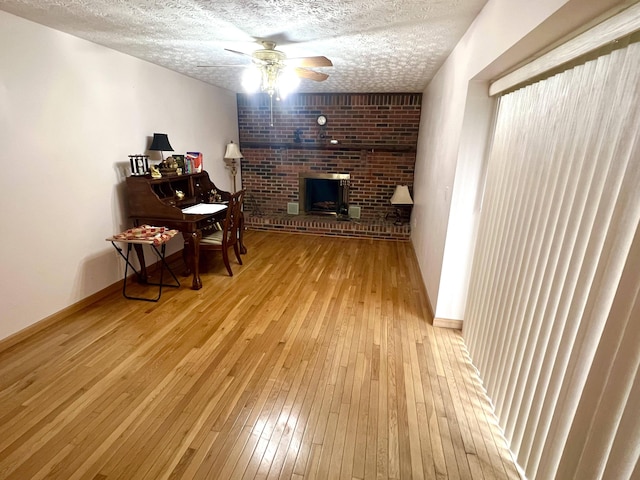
(325, 193)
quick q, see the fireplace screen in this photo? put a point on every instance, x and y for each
(325, 193)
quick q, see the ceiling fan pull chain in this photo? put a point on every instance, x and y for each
(271, 110)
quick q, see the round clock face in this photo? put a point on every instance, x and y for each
(322, 120)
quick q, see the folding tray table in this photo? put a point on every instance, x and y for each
(145, 235)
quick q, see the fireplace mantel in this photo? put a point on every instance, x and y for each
(329, 146)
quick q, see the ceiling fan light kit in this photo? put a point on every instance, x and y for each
(288, 82)
(270, 79)
(272, 73)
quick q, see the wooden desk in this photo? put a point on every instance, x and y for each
(157, 201)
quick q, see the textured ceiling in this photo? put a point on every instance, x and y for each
(375, 45)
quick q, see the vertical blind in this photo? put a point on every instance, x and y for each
(553, 312)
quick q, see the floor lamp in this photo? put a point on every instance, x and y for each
(234, 155)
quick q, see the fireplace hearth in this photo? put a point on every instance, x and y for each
(324, 193)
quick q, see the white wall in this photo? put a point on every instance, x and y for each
(453, 132)
(70, 113)
(465, 202)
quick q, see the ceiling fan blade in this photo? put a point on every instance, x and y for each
(318, 61)
(239, 53)
(311, 75)
(216, 66)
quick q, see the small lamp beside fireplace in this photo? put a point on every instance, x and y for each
(401, 197)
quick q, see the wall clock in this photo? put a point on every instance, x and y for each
(322, 120)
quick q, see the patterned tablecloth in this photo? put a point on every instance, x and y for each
(145, 234)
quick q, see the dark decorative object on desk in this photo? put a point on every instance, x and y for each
(169, 166)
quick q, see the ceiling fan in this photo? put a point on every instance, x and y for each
(272, 70)
(275, 74)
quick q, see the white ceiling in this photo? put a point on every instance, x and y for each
(375, 45)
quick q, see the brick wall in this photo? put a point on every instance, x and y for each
(376, 133)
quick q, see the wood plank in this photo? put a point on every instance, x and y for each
(317, 359)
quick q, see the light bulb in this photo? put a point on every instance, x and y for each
(251, 79)
(288, 81)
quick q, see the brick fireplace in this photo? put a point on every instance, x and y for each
(369, 137)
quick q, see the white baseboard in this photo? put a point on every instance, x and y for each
(447, 323)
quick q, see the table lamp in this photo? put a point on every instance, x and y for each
(234, 155)
(161, 143)
(401, 197)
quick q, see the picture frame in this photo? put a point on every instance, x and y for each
(139, 165)
(179, 160)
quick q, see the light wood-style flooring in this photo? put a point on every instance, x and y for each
(317, 359)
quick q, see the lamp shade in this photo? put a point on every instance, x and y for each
(161, 143)
(233, 151)
(401, 196)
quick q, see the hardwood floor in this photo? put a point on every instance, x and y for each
(317, 359)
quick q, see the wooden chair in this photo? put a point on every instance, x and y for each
(228, 237)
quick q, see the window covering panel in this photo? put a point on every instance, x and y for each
(553, 306)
